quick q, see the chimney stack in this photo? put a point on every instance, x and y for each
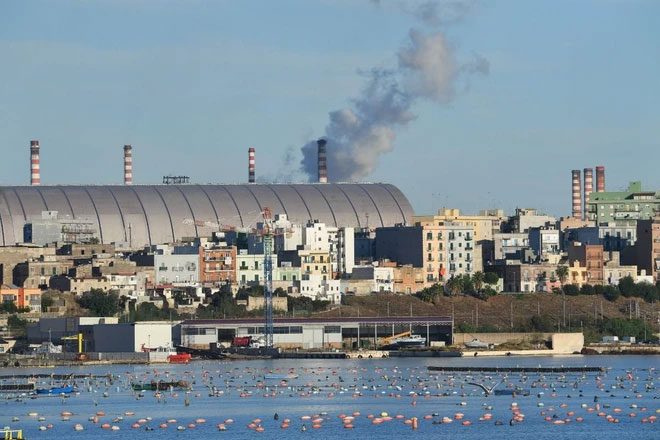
(322, 161)
(577, 194)
(600, 179)
(588, 188)
(251, 164)
(35, 171)
(128, 165)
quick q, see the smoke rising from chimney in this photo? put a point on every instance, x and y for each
(427, 69)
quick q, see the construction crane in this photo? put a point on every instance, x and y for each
(390, 339)
(78, 337)
(267, 233)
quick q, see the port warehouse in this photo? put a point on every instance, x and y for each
(317, 333)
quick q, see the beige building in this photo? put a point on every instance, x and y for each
(484, 225)
(449, 249)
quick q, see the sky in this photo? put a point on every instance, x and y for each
(192, 84)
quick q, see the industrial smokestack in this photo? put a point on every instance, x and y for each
(322, 161)
(588, 188)
(128, 165)
(600, 179)
(577, 194)
(251, 164)
(35, 170)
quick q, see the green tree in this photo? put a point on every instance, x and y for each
(647, 291)
(455, 285)
(491, 278)
(16, 325)
(627, 286)
(562, 274)
(46, 302)
(571, 289)
(100, 303)
(428, 294)
(478, 280)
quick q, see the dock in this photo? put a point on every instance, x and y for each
(584, 369)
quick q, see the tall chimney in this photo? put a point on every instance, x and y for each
(577, 194)
(128, 165)
(600, 179)
(322, 161)
(588, 188)
(251, 165)
(35, 171)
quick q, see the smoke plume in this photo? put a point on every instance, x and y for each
(427, 69)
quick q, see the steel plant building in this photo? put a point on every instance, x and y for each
(140, 215)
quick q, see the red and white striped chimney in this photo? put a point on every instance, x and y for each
(251, 164)
(588, 188)
(577, 194)
(600, 179)
(128, 165)
(322, 161)
(35, 170)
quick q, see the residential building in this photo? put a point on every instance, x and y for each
(51, 227)
(21, 297)
(217, 264)
(530, 277)
(176, 264)
(613, 271)
(509, 245)
(250, 268)
(36, 273)
(647, 247)
(485, 224)
(544, 241)
(526, 218)
(589, 257)
(623, 206)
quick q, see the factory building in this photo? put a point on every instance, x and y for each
(317, 333)
(142, 215)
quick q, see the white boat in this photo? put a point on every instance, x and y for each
(410, 341)
(476, 343)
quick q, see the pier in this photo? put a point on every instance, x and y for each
(584, 369)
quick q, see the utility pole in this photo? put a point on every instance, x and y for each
(477, 313)
(511, 315)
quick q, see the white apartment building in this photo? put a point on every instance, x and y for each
(176, 264)
(250, 268)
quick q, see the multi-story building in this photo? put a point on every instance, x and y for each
(36, 273)
(647, 247)
(21, 297)
(530, 277)
(623, 206)
(176, 264)
(526, 218)
(485, 224)
(52, 227)
(217, 264)
(250, 268)
(544, 241)
(613, 271)
(509, 246)
(590, 257)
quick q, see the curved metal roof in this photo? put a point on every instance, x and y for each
(153, 214)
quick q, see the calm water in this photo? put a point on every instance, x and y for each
(346, 386)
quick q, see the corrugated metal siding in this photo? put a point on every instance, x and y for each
(152, 214)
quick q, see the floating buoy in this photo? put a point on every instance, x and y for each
(78, 427)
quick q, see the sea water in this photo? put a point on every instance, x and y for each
(326, 389)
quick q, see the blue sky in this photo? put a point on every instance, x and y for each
(192, 84)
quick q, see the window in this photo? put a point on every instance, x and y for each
(331, 329)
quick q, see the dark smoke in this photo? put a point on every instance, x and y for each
(427, 69)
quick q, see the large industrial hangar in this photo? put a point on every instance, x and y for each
(317, 333)
(142, 215)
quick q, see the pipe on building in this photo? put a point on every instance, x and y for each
(588, 189)
(600, 179)
(35, 170)
(322, 161)
(577, 194)
(251, 164)
(128, 165)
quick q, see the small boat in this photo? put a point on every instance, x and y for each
(160, 386)
(410, 341)
(281, 376)
(67, 389)
(179, 358)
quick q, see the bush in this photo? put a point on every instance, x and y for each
(611, 293)
(587, 289)
(571, 289)
(100, 303)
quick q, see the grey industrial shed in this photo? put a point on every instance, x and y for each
(153, 214)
